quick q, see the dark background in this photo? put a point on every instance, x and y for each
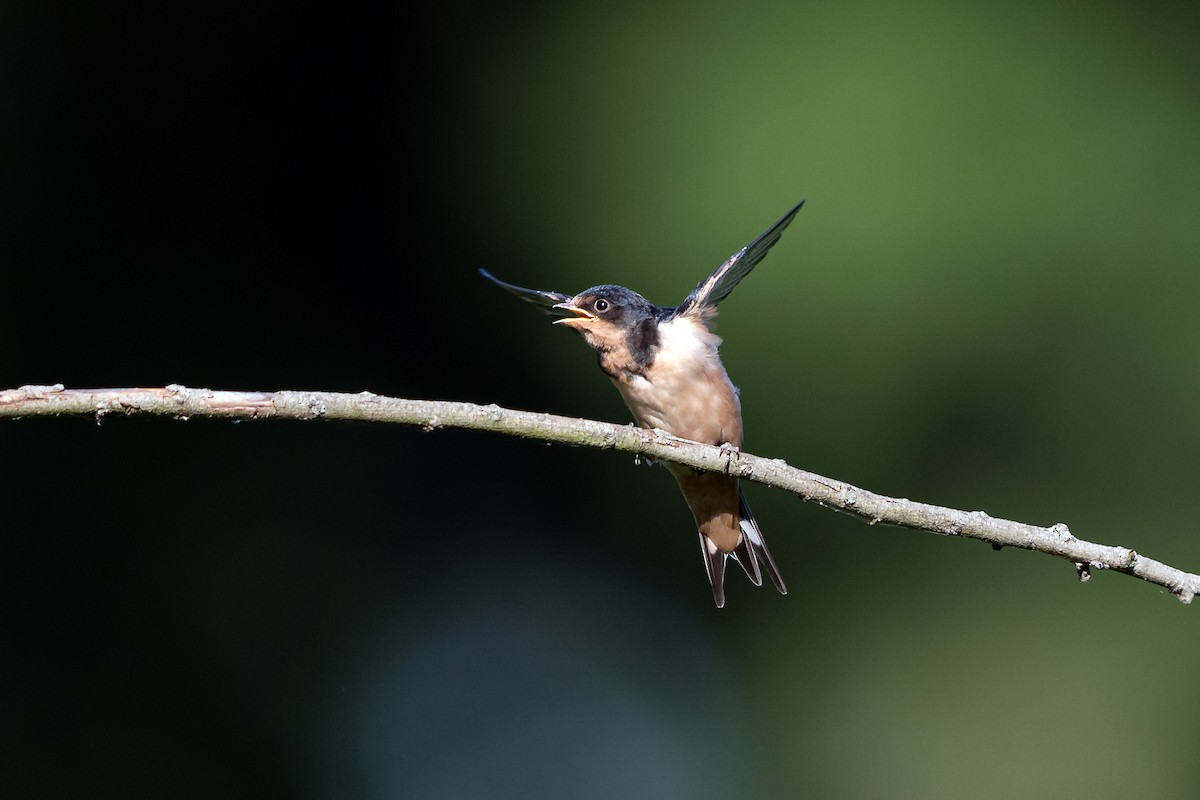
(989, 302)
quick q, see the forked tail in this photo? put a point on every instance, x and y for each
(751, 552)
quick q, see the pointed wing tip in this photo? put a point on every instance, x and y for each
(787, 218)
(716, 287)
(543, 300)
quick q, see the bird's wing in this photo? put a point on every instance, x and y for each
(716, 287)
(543, 300)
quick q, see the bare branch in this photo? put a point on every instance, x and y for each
(182, 403)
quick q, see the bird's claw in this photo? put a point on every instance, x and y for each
(730, 452)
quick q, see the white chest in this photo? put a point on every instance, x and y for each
(686, 391)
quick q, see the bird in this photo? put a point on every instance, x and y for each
(664, 361)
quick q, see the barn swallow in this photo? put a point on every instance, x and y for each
(664, 362)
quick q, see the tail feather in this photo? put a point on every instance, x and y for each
(714, 564)
(744, 555)
(758, 546)
(751, 552)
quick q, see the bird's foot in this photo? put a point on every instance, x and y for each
(730, 452)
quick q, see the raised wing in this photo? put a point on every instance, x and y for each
(543, 300)
(716, 287)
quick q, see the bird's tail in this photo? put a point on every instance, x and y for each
(714, 564)
(751, 552)
(753, 548)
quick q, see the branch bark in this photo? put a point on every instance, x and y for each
(180, 402)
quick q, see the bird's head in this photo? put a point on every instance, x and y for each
(606, 315)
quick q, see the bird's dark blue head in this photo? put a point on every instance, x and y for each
(613, 305)
(613, 318)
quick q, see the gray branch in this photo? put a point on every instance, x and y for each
(182, 403)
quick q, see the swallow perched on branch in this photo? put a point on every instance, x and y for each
(664, 362)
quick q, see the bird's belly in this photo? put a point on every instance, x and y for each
(699, 403)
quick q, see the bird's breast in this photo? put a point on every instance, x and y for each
(685, 390)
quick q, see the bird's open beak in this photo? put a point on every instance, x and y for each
(581, 316)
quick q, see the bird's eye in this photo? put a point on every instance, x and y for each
(600, 305)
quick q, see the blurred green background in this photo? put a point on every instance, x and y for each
(989, 302)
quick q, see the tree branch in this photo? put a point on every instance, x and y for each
(182, 403)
